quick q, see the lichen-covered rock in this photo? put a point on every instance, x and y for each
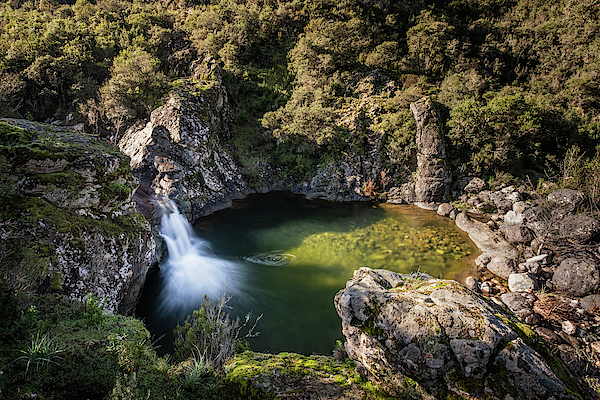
(577, 276)
(517, 233)
(442, 335)
(582, 228)
(178, 154)
(433, 179)
(471, 184)
(295, 376)
(566, 198)
(74, 226)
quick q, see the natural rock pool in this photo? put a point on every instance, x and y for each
(284, 256)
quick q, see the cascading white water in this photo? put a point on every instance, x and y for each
(191, 271)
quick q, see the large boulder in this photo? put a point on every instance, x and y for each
(442, 335)
(432, 183)
(517, 233)
(566, 198)
(74, 229)
(580, 227)
(177, 153)
(577, 276)
(491, 243)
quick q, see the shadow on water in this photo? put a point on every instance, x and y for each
(285, 256)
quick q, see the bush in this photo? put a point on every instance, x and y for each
(210, 335)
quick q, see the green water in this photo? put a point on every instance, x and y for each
(322, 244)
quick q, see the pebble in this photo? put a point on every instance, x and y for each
(472, 283)
(569, 328)
(538, 259)
(486, 287)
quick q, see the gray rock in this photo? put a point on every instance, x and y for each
(177, 153)
(491, 243)
(535, 378)
(542, 259)
(568, 327)
(519, 303)
(566, 198)
(517, 233)
(580, 227)
(548, 334)
(432, 181)
(520, 206)
(436, 329)
(94, 239)
(445, 209)
(538, 220)
(505, 198)
(453, 214)
(470, 184)
(522, 283)
(472, 283)
(427, 206)
(576, 276)
(502, 266)
(590, 302)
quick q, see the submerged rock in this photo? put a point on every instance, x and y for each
(441, 334)
(74, 228)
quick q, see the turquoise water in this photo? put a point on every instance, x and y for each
(292, 255)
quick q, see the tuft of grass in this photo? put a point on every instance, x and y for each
(42, 351)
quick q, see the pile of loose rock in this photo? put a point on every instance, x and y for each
(540, 260)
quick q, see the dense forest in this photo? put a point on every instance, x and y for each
(515, 81)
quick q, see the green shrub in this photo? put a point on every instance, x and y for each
(210, 335)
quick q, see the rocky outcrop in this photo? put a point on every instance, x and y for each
(432, 179)
(432, 182)
(177, 153)
(74, 228)
(442, 335)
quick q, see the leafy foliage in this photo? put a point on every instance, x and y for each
(210, 337)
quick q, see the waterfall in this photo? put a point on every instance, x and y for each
(191, 270)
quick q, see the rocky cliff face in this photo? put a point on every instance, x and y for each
(67, 218)
(178, 152)
(444, 336)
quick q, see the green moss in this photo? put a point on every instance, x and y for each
(249, 367)
(114, 190)
(11, 135)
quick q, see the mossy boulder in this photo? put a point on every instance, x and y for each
(69, 223)
(290, 375)
(442, 335)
